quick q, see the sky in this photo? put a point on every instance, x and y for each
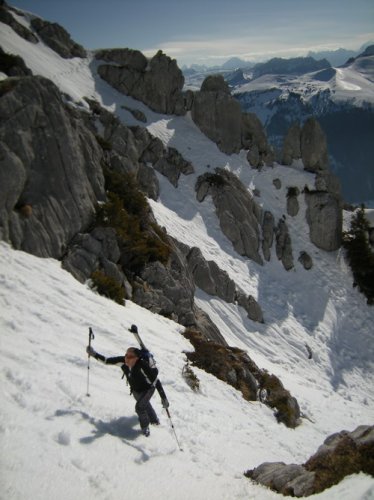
(212, 31)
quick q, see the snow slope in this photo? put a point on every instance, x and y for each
(58, 443)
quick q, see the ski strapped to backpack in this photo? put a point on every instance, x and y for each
(145, 354)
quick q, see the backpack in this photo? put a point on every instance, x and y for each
(147, 357)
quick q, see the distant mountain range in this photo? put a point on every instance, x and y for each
(341, 97)
(336, 58)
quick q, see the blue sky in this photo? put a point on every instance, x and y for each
(212, 31)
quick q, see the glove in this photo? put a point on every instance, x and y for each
(165, 403)
(90, 351)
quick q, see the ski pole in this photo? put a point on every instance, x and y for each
(91, 336)
(173, 428)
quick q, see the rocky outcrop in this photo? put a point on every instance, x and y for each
(284, 245)
(234, 366)
(217, 114)
(307, 143)
(6, 17)
(292, 201)
(216, 282)
(313, 146)
(325, 219)
(158, 82)
(169, 290)
(292, 146)
(254, 138)
(251, 305)
(50, 162)
(267, 234)
(57, 38)
(13, 65)
(172, 165)
(305, 260)
(238, 213)
(340, 455)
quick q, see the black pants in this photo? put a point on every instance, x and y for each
(144, 409)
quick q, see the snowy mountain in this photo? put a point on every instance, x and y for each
(59, 443)
(342, 100)
(283, 91)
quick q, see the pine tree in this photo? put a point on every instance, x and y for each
(360, 255)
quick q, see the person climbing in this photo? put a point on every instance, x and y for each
(142, 379)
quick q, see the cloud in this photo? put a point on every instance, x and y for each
(250, 48)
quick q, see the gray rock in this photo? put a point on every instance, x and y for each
(13, 65)
(292, 201)
(209, 277)
(218, 116)
(313, 146)
(284, 245)
(172, 165)
(148, 181)
(57, 38)
(306, 260)
(6, 17)
(215, 83)
(159, 85)
(237, 211)
(253, 137)
(326, 181)
(136, 113)
(130, 58)
(292, 146)
(252, 307)
(267, 234)
(57, 160)
(325, 219)
(277, 183)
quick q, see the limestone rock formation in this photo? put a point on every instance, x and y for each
(341, 454)
(284, 245)
(267, 234)
(172, 165)
(292, 146)
(7, 17)
(158, 82)
(325, 219)
(238, 213)
(235, 367)
(313, 146)
(57, 38)
(292, 201)
(254, 138)
(217, 114)
(49, 161)
(306, 260)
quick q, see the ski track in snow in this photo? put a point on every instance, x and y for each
(58, 443)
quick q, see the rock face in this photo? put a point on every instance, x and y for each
(172, 165)
(158, 82)
(283, 245)
(238, 213)
(254, 139)
(6, 17)
(13, 65)
(49, 161)
(341, 454)
(234, 366)
(313, 146)
(214, 281)
(292, 147)
(57, 38)
(325, 219)
(267, 234)
(217, 114)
